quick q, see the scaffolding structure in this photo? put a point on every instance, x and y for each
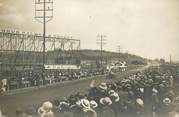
(24, 50)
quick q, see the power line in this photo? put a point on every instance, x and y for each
(43, 14)
(101, 40)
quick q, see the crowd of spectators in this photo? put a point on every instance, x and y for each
(27, 79)
(143, 94)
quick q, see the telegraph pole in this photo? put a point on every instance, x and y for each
(170, 59)
(119, 50)
(43, 14)
(101, 41)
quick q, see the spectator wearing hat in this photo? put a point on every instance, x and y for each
(106, 101)
(56, 104)
(90, 113)
(86, 107)
(103, 88)
(46, 109)
(85, 104)
(114, 96)
(155, 101)
(93, 104)
(139, 106)
(139, 92)
(77, 108)
(96, 93)
(105, 107)
(170, 94)
(64, 106)
(166, 107)
(116, 105)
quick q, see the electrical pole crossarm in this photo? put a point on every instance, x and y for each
(39, 10)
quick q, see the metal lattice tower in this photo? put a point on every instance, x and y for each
(43, 14)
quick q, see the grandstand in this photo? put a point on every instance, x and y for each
(21, 51)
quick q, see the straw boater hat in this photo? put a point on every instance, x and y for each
(105, 101)
(114, 95)
(161, 85)
(154, 90)
(167, 101)
(93, 104)
(141, 90)
(85, 103)
(63, 104)
(140, 101)
(111, 92)
(41, 111)
(128, 86)
(47, 106)
(103, 86)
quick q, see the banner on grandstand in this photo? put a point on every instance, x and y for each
(62, 67)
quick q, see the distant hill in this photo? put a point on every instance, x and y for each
(74, 56)
(107, 55)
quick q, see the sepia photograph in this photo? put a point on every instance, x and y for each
(89, 58)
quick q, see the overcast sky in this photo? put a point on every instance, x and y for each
(149, 28)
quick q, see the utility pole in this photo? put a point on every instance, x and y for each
(119, 51)
(101, 41)
(170, 59)
(43, 14)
